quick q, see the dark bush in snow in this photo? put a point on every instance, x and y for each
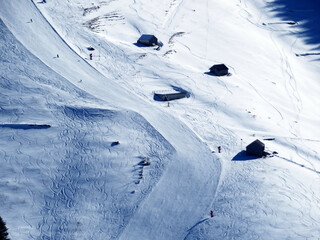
(3, 230)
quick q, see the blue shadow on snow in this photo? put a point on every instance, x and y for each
(212, 74)
(242, 156)
(25, 126)
(306, 13)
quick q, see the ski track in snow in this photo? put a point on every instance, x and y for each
(238, 226)
(290, 83)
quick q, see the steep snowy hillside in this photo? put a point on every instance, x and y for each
(75, 182)
(77, 178)
(56, 180)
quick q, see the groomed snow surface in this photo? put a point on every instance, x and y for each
(87, 152)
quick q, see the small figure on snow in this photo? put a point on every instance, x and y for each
(211, 213)
(57, 55)
(219, 149)
(90, 55)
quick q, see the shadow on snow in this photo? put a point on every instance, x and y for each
(242, 156)
(215, 75)
(300, 165)
(306, 13)
(25, 126)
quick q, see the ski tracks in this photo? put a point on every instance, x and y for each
(290, 80)
(291, 84)
(110, 183)
(171, 13)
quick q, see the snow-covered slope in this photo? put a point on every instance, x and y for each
(56, 180)
(91, 184)
(75, 183)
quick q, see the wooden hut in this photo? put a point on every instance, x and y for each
(170, 95)
(219, 70)
(148, 40)
(256, 148)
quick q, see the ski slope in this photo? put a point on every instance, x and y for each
(70, 181)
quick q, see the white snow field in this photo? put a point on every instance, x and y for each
(63, 176)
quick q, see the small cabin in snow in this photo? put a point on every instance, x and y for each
(148, 40)
(219, 70)
(256, 148)
(170, 95)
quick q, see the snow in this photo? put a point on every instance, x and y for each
(70, 181)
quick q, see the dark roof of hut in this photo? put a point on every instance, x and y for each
(146, 37)
(256, 143)
(219, 67)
